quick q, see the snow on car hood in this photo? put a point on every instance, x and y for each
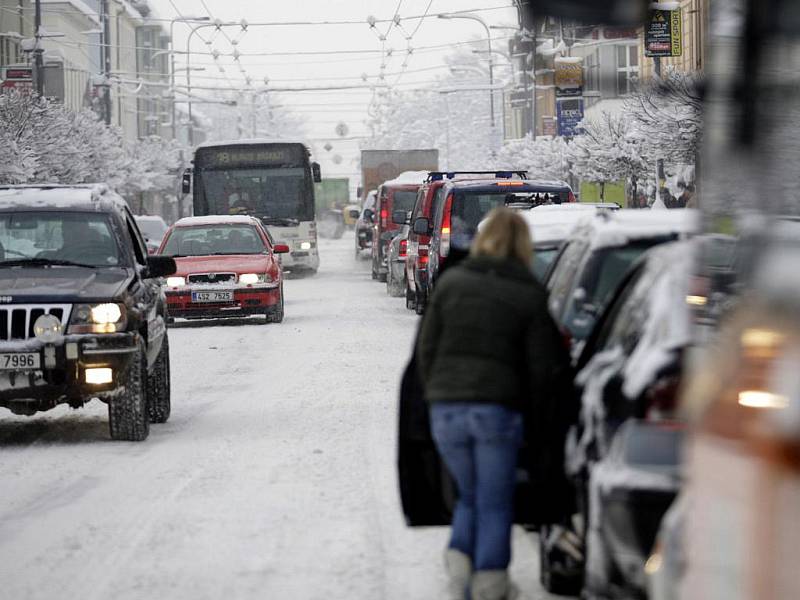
(235, 263)
(62, 283)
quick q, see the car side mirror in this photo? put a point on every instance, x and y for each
(160, 266)
(280, 249)
(399, 217)
(354, 214)
(186, 182)
(369, 214)
(316, 172)
(422, 226)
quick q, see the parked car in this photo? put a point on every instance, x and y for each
(428, 200)
(227, 266)
(596, 257)
(624, 452)
(82, 312)
(363, 226)
(550, 227)
(398, 194)
(153, 229)
(396, 283)
(465, 202)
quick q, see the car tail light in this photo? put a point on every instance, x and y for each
(384, 218)
(444, 247)
(571, 197)
(403, 248)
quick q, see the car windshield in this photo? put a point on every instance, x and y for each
(79, 237)
(207, 240)
(153, 229)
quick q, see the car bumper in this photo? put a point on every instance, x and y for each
(250, 301)
(398, 268)
(64, 365)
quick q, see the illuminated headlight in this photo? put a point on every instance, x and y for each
(176, 281)
(305, 245)
(98, 318)
(99, 376)
(251, 278)
(48, 328)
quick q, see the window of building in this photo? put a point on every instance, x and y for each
(591, 67)
(627, 69)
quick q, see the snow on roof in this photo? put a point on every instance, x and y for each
(80, 6)
(616, 228)
(408, 178)
(53, 196)
(215, 220)
(555, 222)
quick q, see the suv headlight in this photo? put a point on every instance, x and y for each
(251, 278)
(98, 318)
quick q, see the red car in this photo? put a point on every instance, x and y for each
(228, 266)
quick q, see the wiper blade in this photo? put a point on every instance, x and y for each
(281, 220)
(44, 262)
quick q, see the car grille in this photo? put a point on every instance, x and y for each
(17, 320)
(212, 278)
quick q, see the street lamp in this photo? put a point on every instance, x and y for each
(172, 22)
(491, 62)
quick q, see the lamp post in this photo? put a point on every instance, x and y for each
(491, 63)
(172, 57)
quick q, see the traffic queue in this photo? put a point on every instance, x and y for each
(619, 285)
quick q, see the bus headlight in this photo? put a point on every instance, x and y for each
(305, 245)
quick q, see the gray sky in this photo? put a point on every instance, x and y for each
(323, 111)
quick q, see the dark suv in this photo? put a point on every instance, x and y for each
(82, 313)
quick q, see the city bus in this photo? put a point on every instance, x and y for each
(271, 180)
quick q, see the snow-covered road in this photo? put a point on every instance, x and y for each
(274, 478)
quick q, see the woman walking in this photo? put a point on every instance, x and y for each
(487, 344)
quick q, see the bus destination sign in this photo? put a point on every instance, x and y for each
(220, 158)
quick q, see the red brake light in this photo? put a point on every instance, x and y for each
(444, 249)
(403, 248)
(384, 217)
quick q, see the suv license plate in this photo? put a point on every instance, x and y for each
(212, 296)
(22, 361)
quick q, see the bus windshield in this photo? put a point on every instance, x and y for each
(280, 193)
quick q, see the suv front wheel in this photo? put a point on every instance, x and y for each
(158, 387)
(128, 417)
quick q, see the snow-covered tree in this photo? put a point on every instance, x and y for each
(543, 158)
(609, 150)
(666, 114)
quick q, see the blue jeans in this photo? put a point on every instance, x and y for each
(479, 444)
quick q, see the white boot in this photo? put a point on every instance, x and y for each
(459, 571)
(492, 585)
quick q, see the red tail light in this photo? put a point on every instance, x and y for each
(444, 248)
(403, 248)
(571, 197)
(384, 218)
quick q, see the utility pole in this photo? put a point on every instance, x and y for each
(661, 178)
(38, 50)
(106, 49)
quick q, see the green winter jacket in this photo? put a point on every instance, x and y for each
(487, 336)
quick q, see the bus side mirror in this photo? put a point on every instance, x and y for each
(186, 182)
(316, 172)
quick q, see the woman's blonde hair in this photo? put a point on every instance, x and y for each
(504, 234)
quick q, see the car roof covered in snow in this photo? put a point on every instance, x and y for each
(554, 222)
(82, 197)
(537, 185)
(407, 178)
(216, 220)
(618, 227)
